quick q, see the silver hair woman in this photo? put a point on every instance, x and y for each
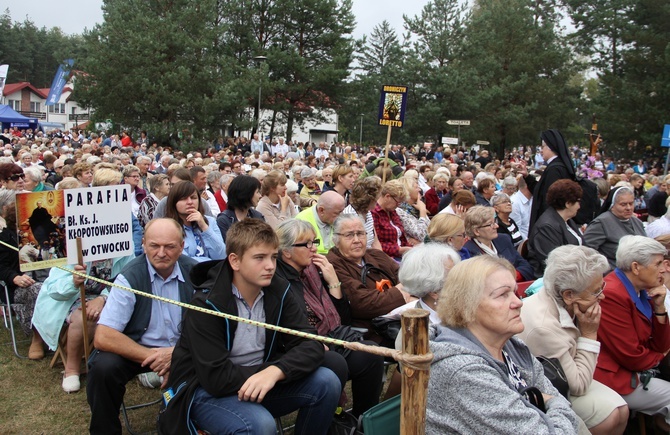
(635, 335)
(480, 371)
(561, 321)
(617, 220)
(326, 310)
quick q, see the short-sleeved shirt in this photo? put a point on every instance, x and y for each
(164, 326)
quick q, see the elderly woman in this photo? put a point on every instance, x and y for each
(486, 188)
(555, 227)
(309, 273)
(436, 193)
(561, 321)
(275, 205)
(159, 188)
(83, 172)
(369, 277)
(131, 177)
(388, 226)
(617, 220)
(635, 336)
(202, 237)
(363, 199)
(502, 204)
(450, 230)
(413, 213)
(480, 372)
(481, 227)
(12, 177)
(454, 185)
(34, 179)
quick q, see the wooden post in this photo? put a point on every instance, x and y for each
(414, 380)
(386, 154)
(82, 295)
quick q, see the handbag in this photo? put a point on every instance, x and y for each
(386, 327)
(534, 396)
(346, 333)
(554, 372)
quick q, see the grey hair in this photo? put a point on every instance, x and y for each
(290, 231)
(341, 220)
(7, 197)
(509, 181)
(34, 173)
(571, 267)
(498, 198)
(213, 176)
(140, 159)
(423, 270)
(225, 179)
(129, 169)
(639, 249)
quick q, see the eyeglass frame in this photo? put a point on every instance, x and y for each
(489, 225)
(308, 244)
(360, 235)
(15, 177)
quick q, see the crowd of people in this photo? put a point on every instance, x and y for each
(330, 238)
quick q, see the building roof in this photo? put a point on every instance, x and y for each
(11, 88)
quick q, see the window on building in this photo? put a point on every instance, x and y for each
(57, 108)
(15, 104)
(34, 106)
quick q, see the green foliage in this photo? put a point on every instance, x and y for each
(34, 54)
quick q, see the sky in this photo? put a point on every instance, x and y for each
(73, 16)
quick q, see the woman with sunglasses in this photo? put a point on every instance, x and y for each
(481, 227)
(12, 177)
(314, 280)
(562, 320)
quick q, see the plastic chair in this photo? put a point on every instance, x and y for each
(521, 288)
(9, 322)
(382, 419)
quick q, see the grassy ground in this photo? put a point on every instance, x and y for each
(32, 401)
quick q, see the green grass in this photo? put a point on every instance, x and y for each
(33, 402)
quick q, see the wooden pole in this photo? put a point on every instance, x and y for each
(386, 154)
(82, 296)
(414, 378)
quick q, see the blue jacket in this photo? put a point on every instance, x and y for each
(506, 250)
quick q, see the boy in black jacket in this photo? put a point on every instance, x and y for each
(229, 377)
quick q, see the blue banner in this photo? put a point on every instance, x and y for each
(665, 140)
(59, 82)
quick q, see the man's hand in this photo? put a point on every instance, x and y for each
(258, 385)
(159, 360)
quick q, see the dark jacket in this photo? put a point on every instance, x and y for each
(9, 262)
(506, 250)
(227, 218)
(556, 170)
(549, 232)
(201, 356)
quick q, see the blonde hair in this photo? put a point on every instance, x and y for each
(395, 188)
(476, 217)
(445, 225)
(463, 291)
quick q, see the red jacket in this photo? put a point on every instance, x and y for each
(630, 342)
(220, 201)
(432, 201)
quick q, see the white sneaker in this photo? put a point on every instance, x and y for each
(150, 380)
(71, 384)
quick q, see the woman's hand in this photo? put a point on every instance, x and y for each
(459, 210)
(329, 275)
(421, 206)
(76, 279)
(94, 308)
(657, 295)
(588, 320)
(284, 202)
(23, 281)
(197, 218)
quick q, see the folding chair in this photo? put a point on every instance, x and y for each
(61, 349)
(382, 419)
(9, 322)
(125, 409)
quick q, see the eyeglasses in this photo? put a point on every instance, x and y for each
(464, 235)
(15, 177)
(493, 224)
(133, 176)
(602, 289)
(307, 244)
(351, 235)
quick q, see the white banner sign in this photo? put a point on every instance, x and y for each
(3, 78)
(450, 140)
(458, 122)
(101, 216)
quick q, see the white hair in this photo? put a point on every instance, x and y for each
(571, 267)
(423, 269)
(639, 249)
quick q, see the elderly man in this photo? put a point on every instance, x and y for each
(137, 335)
(143, 163)
(199, 177)
(322, 151)
(312, 189)
(322, 216)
